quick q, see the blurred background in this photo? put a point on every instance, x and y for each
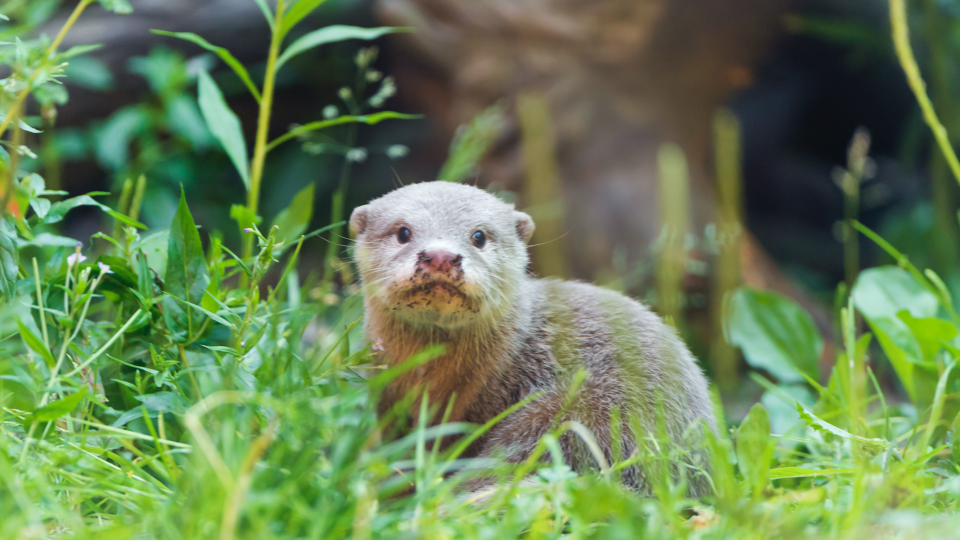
(670, 149)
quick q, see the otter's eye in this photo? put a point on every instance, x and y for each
(479, 239)
(403, 235)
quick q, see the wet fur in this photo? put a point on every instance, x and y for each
(508, 335)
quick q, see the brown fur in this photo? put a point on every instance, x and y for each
(508, 335)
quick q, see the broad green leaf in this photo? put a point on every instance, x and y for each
(754, 451)
(471, 143)
(930, 333)
(295, 14)
(55, 410)
(223, 53)
(224, 125)
(881, 295)
(775, 334)
(888, 290)
(154, 247)
(294, 220)
(58, 210)
(186, 276)
(368, 119)
(117, 6)
(799, 472)
(47, 240)
(9, 259)
(35, 343)
(896, 344)
(332, 34)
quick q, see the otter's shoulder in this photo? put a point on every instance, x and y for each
(576, 296)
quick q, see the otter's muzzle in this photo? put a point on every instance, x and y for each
(440, 261)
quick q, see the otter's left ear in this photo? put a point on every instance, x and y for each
(525, 226)
(358, 220)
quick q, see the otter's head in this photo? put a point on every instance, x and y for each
(440, 254)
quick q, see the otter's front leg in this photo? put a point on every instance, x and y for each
(515, 437)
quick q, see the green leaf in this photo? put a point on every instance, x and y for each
(781, 404)
(754, 451)
(155, 403)
(471, 142)
(332, 34)
(799, 472)
(296, 14)
(78, 50)
(187, 276)
(888, 290)
(224, 125)
(294, 220)
(117, 6)
(955, 447)
(35, 344)
(937, 411)
(55, 410)
(882, 295)
(775, 334)
(368, 119)
(126, 220)
(930, 333)
(9, 259)
(58, 210)
(47, 240)
(267, 14)
(825, 427)
(223, 53)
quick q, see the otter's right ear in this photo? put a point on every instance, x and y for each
(358, 220)
(525, 226)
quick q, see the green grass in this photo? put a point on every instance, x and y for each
(167, 388)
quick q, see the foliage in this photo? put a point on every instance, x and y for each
(158, 385)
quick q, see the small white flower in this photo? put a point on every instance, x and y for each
(357, 155)
(104, 269)
(374, 75)
(345, 93)
(75, 258)
(397, 151)
(330, 112)
(243, 343)
(378, 345)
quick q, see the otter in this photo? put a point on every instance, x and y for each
(446, 263)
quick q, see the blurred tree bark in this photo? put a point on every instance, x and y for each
(621, 77)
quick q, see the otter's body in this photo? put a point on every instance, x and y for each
(445, 264)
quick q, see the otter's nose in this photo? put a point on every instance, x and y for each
(439, 260)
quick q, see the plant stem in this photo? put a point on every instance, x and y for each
(263, 125)
(50, 51)
(901, 42)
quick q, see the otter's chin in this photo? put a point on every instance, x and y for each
(437, 303)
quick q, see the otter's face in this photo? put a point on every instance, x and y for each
(440, 254)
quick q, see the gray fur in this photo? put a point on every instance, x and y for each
(508, 334)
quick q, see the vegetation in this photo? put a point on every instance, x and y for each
(160, 385)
